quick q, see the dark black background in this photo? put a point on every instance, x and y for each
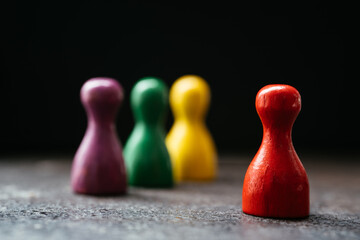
(50, 49)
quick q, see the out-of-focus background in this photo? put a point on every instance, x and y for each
(50, 49)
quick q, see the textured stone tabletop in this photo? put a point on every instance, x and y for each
(36, 203)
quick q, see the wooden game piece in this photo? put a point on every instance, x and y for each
(276, 184)
(147, 159)
(189, 142)
(98, 167)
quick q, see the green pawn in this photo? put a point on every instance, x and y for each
(146, 157)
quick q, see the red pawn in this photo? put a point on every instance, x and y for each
(276, 184)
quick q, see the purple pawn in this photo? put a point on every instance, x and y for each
(98, 167)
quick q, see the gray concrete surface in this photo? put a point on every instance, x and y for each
(36, 202)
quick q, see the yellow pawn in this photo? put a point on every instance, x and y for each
(189, 142)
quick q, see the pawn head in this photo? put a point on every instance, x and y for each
(278, 105)
(101, 98)
(149, 100)
(190, 97)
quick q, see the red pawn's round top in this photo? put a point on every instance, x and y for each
(278, 105)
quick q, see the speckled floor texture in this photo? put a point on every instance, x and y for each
(36, 202)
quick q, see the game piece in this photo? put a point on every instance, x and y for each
(147, 159)
(276, 184)
(189, 142)
(98, 166)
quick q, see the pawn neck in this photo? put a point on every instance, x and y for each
(277, 137)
